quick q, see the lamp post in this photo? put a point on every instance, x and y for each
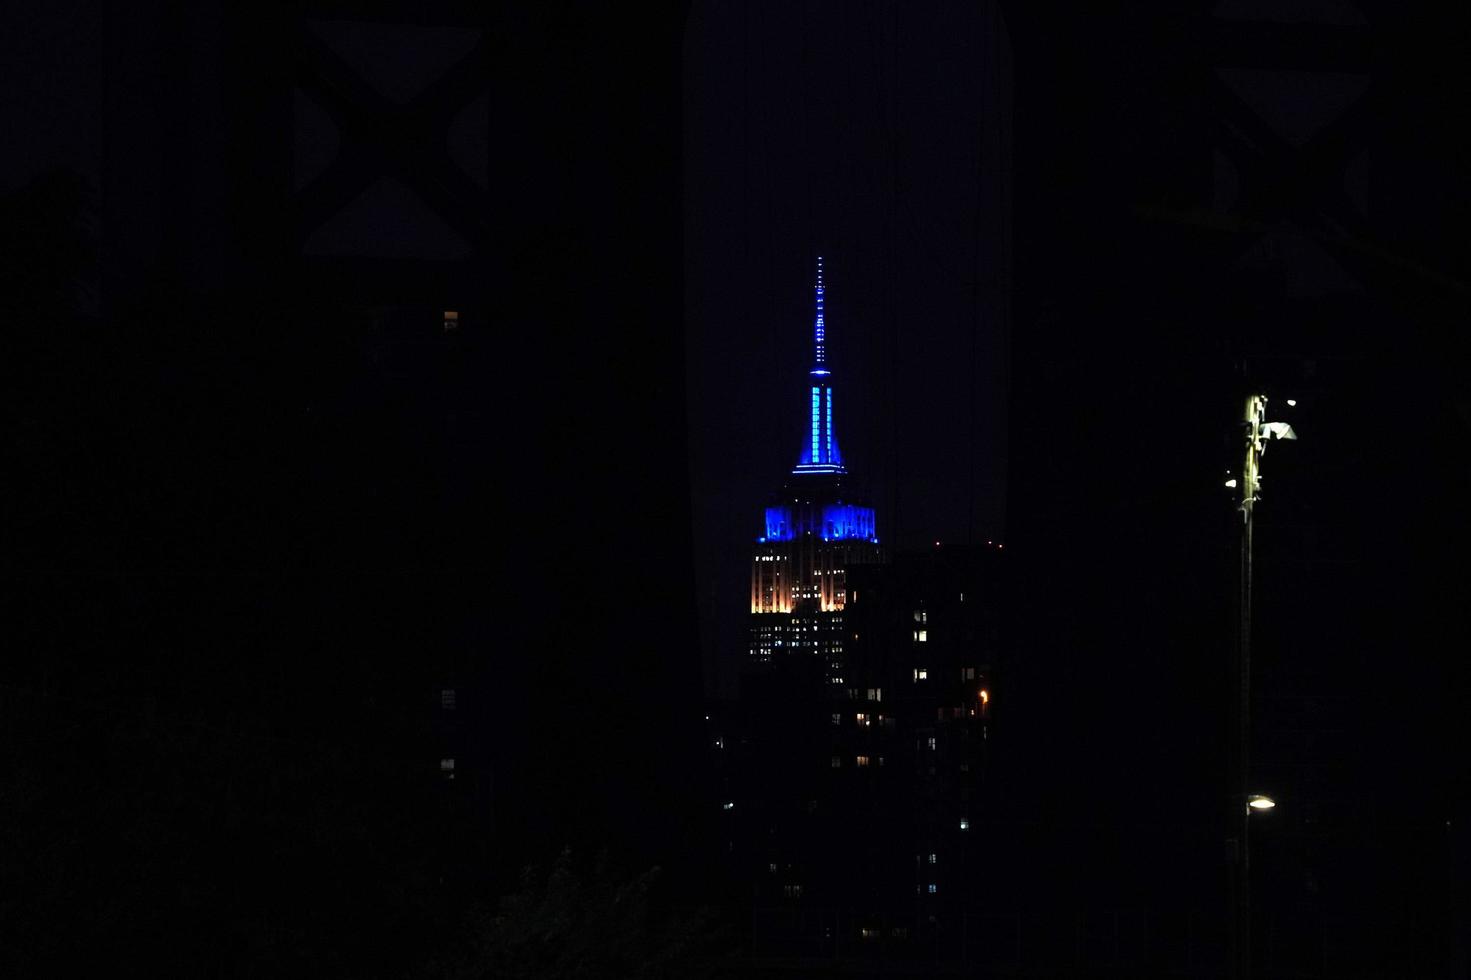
(1258, 432)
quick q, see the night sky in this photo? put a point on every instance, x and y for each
(877, 140)
(880, 142)
(52, 109)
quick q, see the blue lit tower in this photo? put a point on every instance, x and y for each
(813, 531)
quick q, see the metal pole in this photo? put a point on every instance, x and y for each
(1243, 709)
(1240, 821)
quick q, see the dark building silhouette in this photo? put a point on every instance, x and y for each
(276, 492)
(1242, 204)
(854, 816)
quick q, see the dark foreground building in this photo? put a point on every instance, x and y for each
(294, 546)
(854, 815)
(1255, 199)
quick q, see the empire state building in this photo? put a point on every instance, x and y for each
(814, 531)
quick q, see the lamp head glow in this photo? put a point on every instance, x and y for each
(1292, 403)
(1259, 802)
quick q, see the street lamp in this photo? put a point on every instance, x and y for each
(1258, 432)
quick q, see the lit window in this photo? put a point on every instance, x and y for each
(447, 699)
(447, 768)
(451, 320)
(771, 867)
(728, 805)
(921, 673)
(921, 636)
(875, 694)
(934, 858)
(793, 891)
(921, 616)
(931, 743)
(863, 760)
(837, 719)
(863, 720)
(837, 762)
(964, 823)
(868, 933)
(970, 674)
(934, 888)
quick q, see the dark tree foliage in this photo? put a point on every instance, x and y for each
(572, 922)
(166, 846)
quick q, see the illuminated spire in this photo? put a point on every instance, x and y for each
(820, 329)
(820, 451)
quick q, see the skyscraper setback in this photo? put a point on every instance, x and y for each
(813, 531)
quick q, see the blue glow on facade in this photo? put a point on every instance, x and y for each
(831, 522)
(816, 412)
(828, 423)
(821, 455)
